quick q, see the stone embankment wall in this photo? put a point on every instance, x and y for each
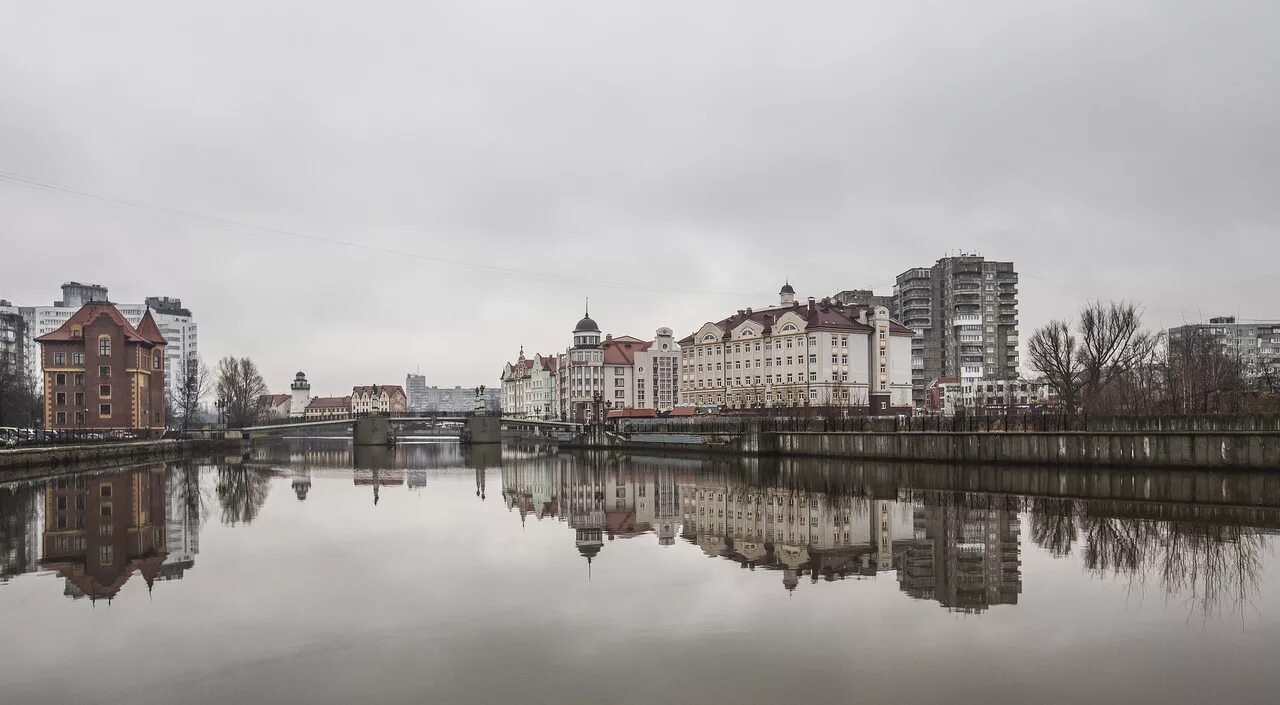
(1226, 450)
(96, 452)
(1252, 450)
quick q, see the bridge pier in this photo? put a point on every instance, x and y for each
(483, 430)
(371, 431)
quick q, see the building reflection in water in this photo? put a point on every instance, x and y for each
(959, 548)
(939, 533)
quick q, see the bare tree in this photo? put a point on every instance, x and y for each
(191, 393)
(1111, 344)
(238, 387)
(1054, 355)
(19, 403)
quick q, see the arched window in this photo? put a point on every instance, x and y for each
(789, 328)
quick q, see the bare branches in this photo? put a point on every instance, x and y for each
(1054, 355)
(238, 387)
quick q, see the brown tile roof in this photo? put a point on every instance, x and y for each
(273, 399)
(148, 329)
(632, 413)
(330, 402)
(392, 389)
(682, 411)
(622, 350)
(822, 315)
(86, 315)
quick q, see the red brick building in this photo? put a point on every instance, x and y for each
(101, 373)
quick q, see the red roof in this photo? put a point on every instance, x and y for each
(682, 411)
(392, 389)
(632, 413)
(90, 313)
(272, 399)
(148, 329)
(824, 314)
(622, 350)
(330, 402)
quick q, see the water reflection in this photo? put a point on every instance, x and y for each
(949, 536)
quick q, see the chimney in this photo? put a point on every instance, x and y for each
(812, 303)
(608, 336)
(862, 315)
(748, 310)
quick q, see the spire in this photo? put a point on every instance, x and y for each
(586, 307)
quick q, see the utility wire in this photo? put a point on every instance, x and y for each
(281, 232)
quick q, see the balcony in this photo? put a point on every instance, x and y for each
(966, 319)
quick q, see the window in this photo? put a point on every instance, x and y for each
(105, 555)
(104, 409)
(105, 491)
(59, 358)
(104, 345)
(60, 398)
(156, 362)
(104, 371)
(813, 357)
(60, 417)
(104, 391)
(60, 379)
(78, 379)
(619, 394)
(80, 416)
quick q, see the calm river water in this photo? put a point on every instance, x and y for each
(302, 572)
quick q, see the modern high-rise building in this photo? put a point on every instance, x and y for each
(1255, 343)
(175, 322)
(964, 310)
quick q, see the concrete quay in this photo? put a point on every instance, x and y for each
(1252, 450)
(89, 453)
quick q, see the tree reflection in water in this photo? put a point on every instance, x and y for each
(1210, 563)
(242, 492)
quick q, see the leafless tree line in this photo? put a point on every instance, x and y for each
(1108, 364)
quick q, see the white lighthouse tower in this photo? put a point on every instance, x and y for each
(301, 395)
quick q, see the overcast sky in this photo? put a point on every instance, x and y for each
(674, 161)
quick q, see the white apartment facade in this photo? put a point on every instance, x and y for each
(529, 388)
(819, 354)
(621, 373)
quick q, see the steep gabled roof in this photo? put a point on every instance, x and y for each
(622, 350)
(148, 329)
(390, 389)
(90, 313)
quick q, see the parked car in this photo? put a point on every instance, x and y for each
(9, 437)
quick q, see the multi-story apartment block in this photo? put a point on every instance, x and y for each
(13, 342)
(1256, 344)
(175, 323)
(968, 559)
(964, 310)
(100, 372)
(529, 388)
(947, 395)
(415, 387)
(822, 353)
(448, 400)
(378, 398)
(619, 373)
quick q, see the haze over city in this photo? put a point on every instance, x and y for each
(672, 161)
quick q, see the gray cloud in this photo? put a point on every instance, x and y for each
(1110, 150)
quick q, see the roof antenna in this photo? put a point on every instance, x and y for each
(587, 307)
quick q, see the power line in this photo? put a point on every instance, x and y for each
(230, 224)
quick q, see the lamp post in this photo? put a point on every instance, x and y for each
(222, 407)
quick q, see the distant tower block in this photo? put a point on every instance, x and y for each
(301, 395)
